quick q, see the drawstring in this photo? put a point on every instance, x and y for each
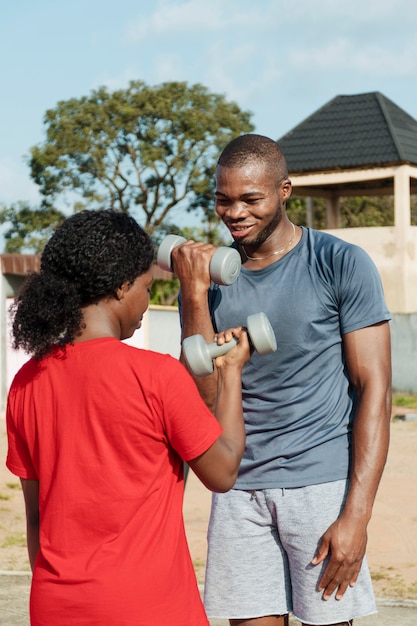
(253, 495)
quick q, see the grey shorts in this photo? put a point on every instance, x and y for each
(261, 545)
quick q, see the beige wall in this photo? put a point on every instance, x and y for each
(395, 260)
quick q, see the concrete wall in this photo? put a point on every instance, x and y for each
(404, 352)
(395, 258)
(161, 332)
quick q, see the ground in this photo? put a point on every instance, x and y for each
(392, 545)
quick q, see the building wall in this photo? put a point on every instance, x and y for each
(404, 352)
(393, 250)
(396, 262)
(161, 332)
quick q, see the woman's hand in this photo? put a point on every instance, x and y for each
(239, 354)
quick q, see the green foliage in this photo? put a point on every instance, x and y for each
(165, 292)
(355, 212)
(297, 212)
(413, 210)
(28, 229)
(405, 400)
(211, 231)
(143, 149)
(367, 211)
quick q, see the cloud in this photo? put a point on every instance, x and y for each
(120, 81)
(198, 18)
(242, 72)
(169, 67)
(368, 59)
(373, 11)
(172, 18)
(15, 184)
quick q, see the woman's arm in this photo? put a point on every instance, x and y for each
(218, 467)
(30, 490)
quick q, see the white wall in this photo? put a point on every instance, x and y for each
(160, 332)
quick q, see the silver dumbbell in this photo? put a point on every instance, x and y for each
(225, 263)
(199, 354)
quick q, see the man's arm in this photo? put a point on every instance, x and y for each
(191, 263)
(368, 358)
(30, 490)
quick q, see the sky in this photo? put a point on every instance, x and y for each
(280, 60)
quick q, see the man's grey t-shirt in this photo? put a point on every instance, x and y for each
(298, 403)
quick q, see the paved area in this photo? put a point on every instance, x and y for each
(14, 595)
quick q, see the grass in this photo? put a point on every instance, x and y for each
(389, 583)
(15, 539)
(4, 496)
(14, 486)
(199, 569)
(406, 400)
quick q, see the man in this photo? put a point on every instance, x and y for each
(291, 535)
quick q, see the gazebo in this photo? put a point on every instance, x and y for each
(362, 145)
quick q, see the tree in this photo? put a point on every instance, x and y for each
(414, 210)
(367, 211)
(28, 229)
(143, 150)
(355, 211)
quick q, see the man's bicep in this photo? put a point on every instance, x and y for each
(368, 355)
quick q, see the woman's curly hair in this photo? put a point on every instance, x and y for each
(87, 259)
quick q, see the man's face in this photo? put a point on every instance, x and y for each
(250, 202)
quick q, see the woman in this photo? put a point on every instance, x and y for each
(98, 432)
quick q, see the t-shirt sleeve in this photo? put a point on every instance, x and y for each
(360, 291)
(18, 459)
(190, 426)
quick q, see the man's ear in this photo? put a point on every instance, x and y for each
(286, 189)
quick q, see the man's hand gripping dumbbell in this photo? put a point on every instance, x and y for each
(199, 355)
(225, 262)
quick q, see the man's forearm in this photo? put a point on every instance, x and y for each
(370, 441)
(195, 319)
(368, 357)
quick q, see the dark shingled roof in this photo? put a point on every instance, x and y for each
(365, 130)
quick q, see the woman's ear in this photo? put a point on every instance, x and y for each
(121, 291)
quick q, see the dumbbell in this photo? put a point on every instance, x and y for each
(225, 263)
(199, 354)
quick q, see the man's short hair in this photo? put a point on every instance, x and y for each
(250, 148)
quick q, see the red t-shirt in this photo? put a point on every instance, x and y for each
(104, 427)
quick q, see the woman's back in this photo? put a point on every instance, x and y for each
(98, 420)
